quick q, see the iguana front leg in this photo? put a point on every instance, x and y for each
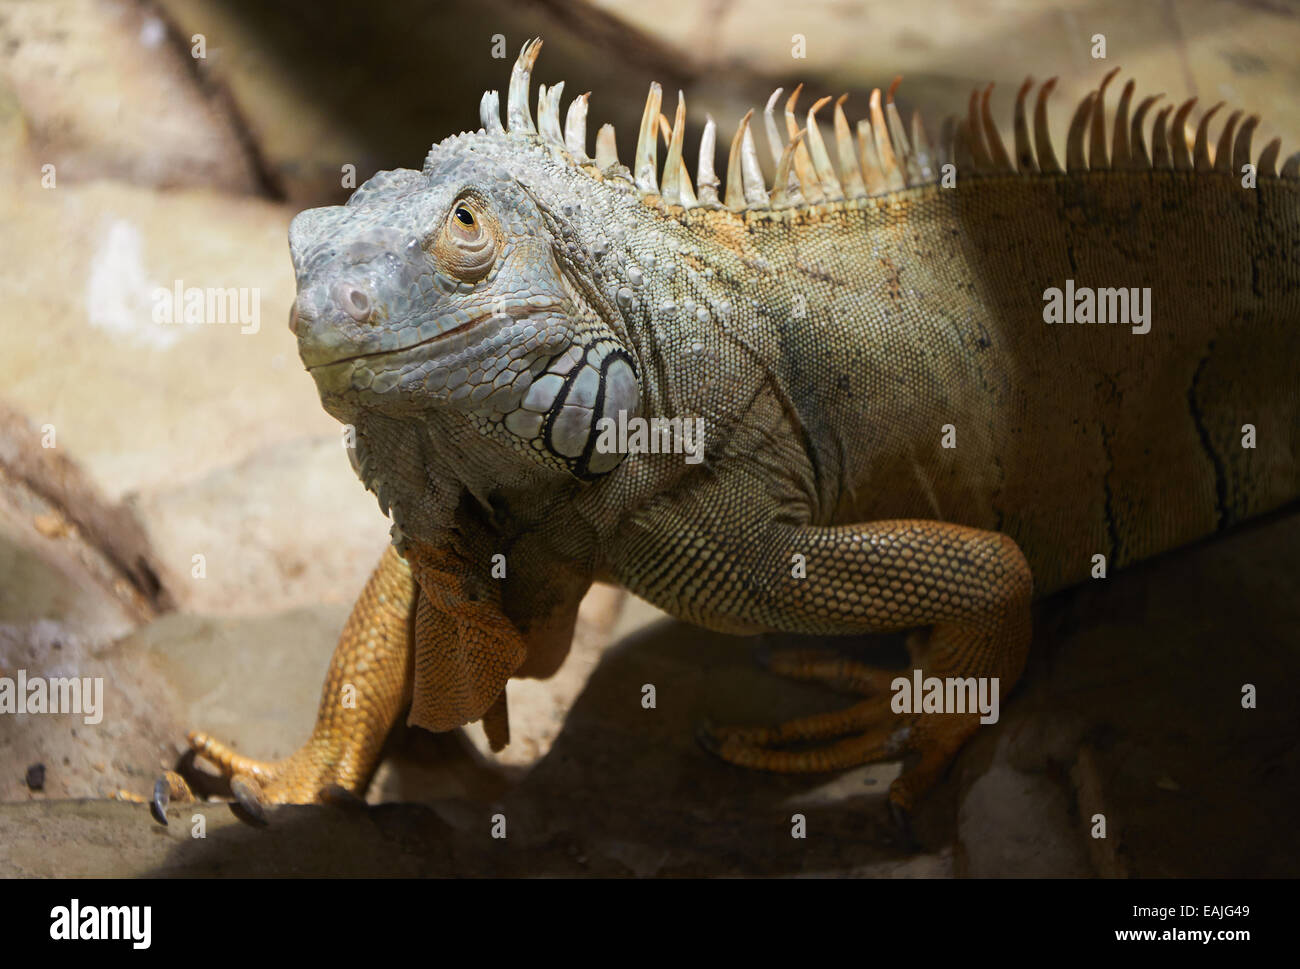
(973, 587)
(426, 633)
(366, 688)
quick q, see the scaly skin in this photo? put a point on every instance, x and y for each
(473, 322)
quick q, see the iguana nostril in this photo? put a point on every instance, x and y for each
(293, 318)
(353, 301)
(358, 304)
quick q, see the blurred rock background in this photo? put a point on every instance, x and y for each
(130, 163)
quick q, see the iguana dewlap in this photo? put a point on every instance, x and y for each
(894, 434)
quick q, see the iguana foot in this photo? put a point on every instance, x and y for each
(304, 778)
(310, 776)
(871, 730)
(318, 772)
(972, 589)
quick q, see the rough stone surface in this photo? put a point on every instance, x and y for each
(143, 403)
(98, 838)
(107, 93)
(1131, 707)
(288, 526)
(998, 841)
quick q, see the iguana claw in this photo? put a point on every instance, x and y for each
(158, 806)
(248, 796)
(706, 736)
(171, 786)
(341, 797)
(902, 820)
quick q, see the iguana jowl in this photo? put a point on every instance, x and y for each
(477, 320)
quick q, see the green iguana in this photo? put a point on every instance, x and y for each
(908, 401)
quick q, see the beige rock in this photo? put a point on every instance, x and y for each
(54, 626)
(144, 403)
(288, 526)
(106, 92)
(1136, 679)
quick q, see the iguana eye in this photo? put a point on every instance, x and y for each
(467, 246)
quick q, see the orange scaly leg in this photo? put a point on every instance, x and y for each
(368, 685)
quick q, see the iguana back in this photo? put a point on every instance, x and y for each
(927, 309)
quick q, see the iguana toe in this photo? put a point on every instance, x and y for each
(828, 667)
(868, 733)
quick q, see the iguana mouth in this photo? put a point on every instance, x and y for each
(512, 312)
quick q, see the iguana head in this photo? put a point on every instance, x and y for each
(512, 281)
(461, 288)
